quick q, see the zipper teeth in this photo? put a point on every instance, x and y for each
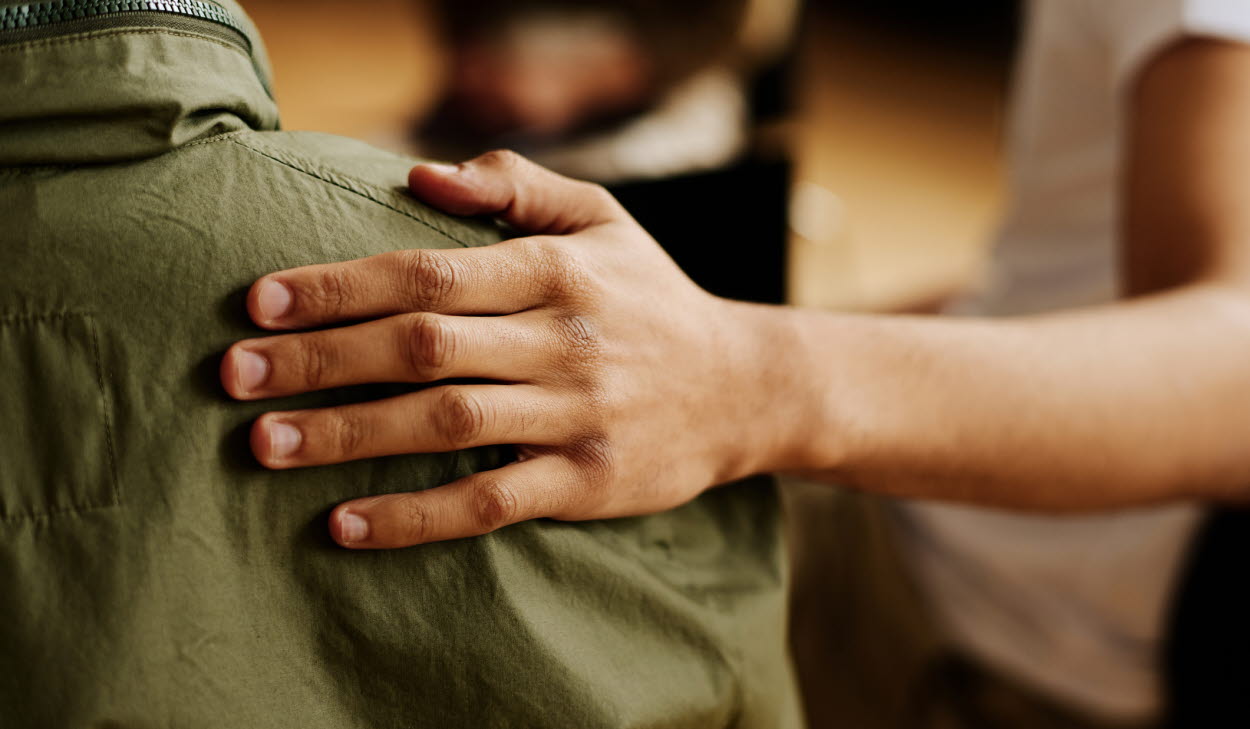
(51, 12)
(41, 19)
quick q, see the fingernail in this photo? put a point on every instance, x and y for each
(442, 168)
(273, 299)
(253, 369)
(353, 528)
(283, 439)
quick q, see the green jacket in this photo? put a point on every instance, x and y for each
(152, 574)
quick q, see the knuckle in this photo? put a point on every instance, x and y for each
(578, 334)
(430, 346)
(598, 194)
(501, 159)
(316, 362)
(333, 291)
(594, 456)
(495, 505)
(565, 273)
(535, 249)
(430, 277)
(348, 433)
(560, 259)
(414, 520)
(462, 419)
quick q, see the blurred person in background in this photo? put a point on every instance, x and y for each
(609, 91)
(657, 100)
(1098, 383)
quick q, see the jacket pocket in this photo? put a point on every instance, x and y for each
(56, 450)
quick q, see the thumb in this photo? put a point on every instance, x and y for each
(528, 197)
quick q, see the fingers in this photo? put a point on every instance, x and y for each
(404, 348)
(469, 507)
(436, 420)
(528, 197)
(501, 279)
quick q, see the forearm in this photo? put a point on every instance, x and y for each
(1132, 403)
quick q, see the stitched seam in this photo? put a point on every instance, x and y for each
(226, 137)
(89, 35)
(48, 316)
(210, 140)
(341, 186)
(16, 171)
(50, 514)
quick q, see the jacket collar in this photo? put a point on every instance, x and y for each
(110, 80)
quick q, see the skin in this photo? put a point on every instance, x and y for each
(631, 390)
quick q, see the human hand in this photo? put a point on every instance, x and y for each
(625, 387)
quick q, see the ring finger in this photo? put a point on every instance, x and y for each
(435, 420)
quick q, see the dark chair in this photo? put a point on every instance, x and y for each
(1207, 659)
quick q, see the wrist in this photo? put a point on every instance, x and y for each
(784, 393)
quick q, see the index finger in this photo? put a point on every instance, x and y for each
(527, 196)
(504, 278)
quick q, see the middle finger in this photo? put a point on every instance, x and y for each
(437, 420)
(405, 348)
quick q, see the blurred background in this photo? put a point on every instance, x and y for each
(867, 134)
(839, 154)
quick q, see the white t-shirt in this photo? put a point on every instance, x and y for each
(1074, 607)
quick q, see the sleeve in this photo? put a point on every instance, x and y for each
(1139, 29)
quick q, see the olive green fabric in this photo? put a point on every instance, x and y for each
(153, 575)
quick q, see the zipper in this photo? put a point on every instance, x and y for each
(55, 18)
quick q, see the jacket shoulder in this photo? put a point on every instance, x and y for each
(362, 169)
